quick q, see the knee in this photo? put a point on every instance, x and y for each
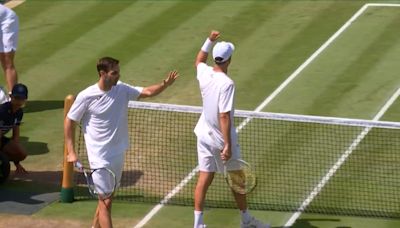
(105, 204)
(22, 156)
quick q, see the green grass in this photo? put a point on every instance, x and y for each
(60, 42)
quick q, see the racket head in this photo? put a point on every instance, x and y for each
(240, 176)
(104, 183)
(101, 182)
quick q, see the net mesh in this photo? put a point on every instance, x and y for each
(302, 163)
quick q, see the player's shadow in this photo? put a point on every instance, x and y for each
(306, 223)
(129, 178)
(34, 148)
(39, 106)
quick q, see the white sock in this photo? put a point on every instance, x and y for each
(246, 217)
(198, 218)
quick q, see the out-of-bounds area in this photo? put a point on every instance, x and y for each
(335, 59)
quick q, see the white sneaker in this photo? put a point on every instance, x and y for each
(202, 226)
(254, 223)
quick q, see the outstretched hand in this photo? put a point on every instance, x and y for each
(214, 35)
(172, 76)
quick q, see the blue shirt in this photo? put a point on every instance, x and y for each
(8, 119)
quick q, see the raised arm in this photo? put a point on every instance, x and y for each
(203, 53)
(155, 89)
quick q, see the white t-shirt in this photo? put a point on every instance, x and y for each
(103, 115)
(217, 91)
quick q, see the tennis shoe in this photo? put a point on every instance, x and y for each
(254, 223)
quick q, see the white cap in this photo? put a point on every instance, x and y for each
(224, 50)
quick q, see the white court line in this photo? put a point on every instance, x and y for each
(317, 189)
(244, 123)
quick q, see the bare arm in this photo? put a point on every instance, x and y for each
(203, 53)
(15, 134)
(155, 89)
(69, 128)
(225, 123)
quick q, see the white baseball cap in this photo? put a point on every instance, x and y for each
(223, 50)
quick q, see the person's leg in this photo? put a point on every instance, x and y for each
(104, 213)
(204, 181)
(246, 218)
(7, 63)
(15, 153)
(95, 223)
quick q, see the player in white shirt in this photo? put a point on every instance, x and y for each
(102, 110)
(9, 27)
(216, 136)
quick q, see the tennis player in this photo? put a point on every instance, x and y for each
(9, 28)
(216, 136)
(11, 114)
(102, 109)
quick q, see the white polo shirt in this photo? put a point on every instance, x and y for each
(217, 91)
(103, 115)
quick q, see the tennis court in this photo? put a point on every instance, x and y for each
(320, 58)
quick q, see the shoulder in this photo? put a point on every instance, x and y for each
(202, 66)
(126, 87)
(88, 92)
(224, 79)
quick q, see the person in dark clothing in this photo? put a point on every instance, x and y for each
(11, 114)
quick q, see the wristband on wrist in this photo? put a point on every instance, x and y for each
(207, 45)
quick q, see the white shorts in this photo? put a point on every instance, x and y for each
(102, 180)
(9, 34)
(209, 157)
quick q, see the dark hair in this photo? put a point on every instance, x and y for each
(220, 61)
(106, 64)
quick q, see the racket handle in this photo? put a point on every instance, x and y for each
(78, 165)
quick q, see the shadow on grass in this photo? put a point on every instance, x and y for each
(306, 223)
(39, 106)
(28, 193)
(34, 148)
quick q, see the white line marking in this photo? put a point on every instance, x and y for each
(258, 109)
(317, 189)
(348, 152)
(302, 66)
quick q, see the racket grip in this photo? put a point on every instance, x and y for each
(78, 165)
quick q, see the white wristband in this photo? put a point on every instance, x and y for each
(207, 45)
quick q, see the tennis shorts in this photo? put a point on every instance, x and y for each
(102, 179)
(209, 157)
(9, 34)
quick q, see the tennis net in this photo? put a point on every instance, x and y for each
(335, 165)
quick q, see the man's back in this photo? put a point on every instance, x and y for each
(217, 91)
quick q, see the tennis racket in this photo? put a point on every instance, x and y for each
(239, 175)
(101, 182)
